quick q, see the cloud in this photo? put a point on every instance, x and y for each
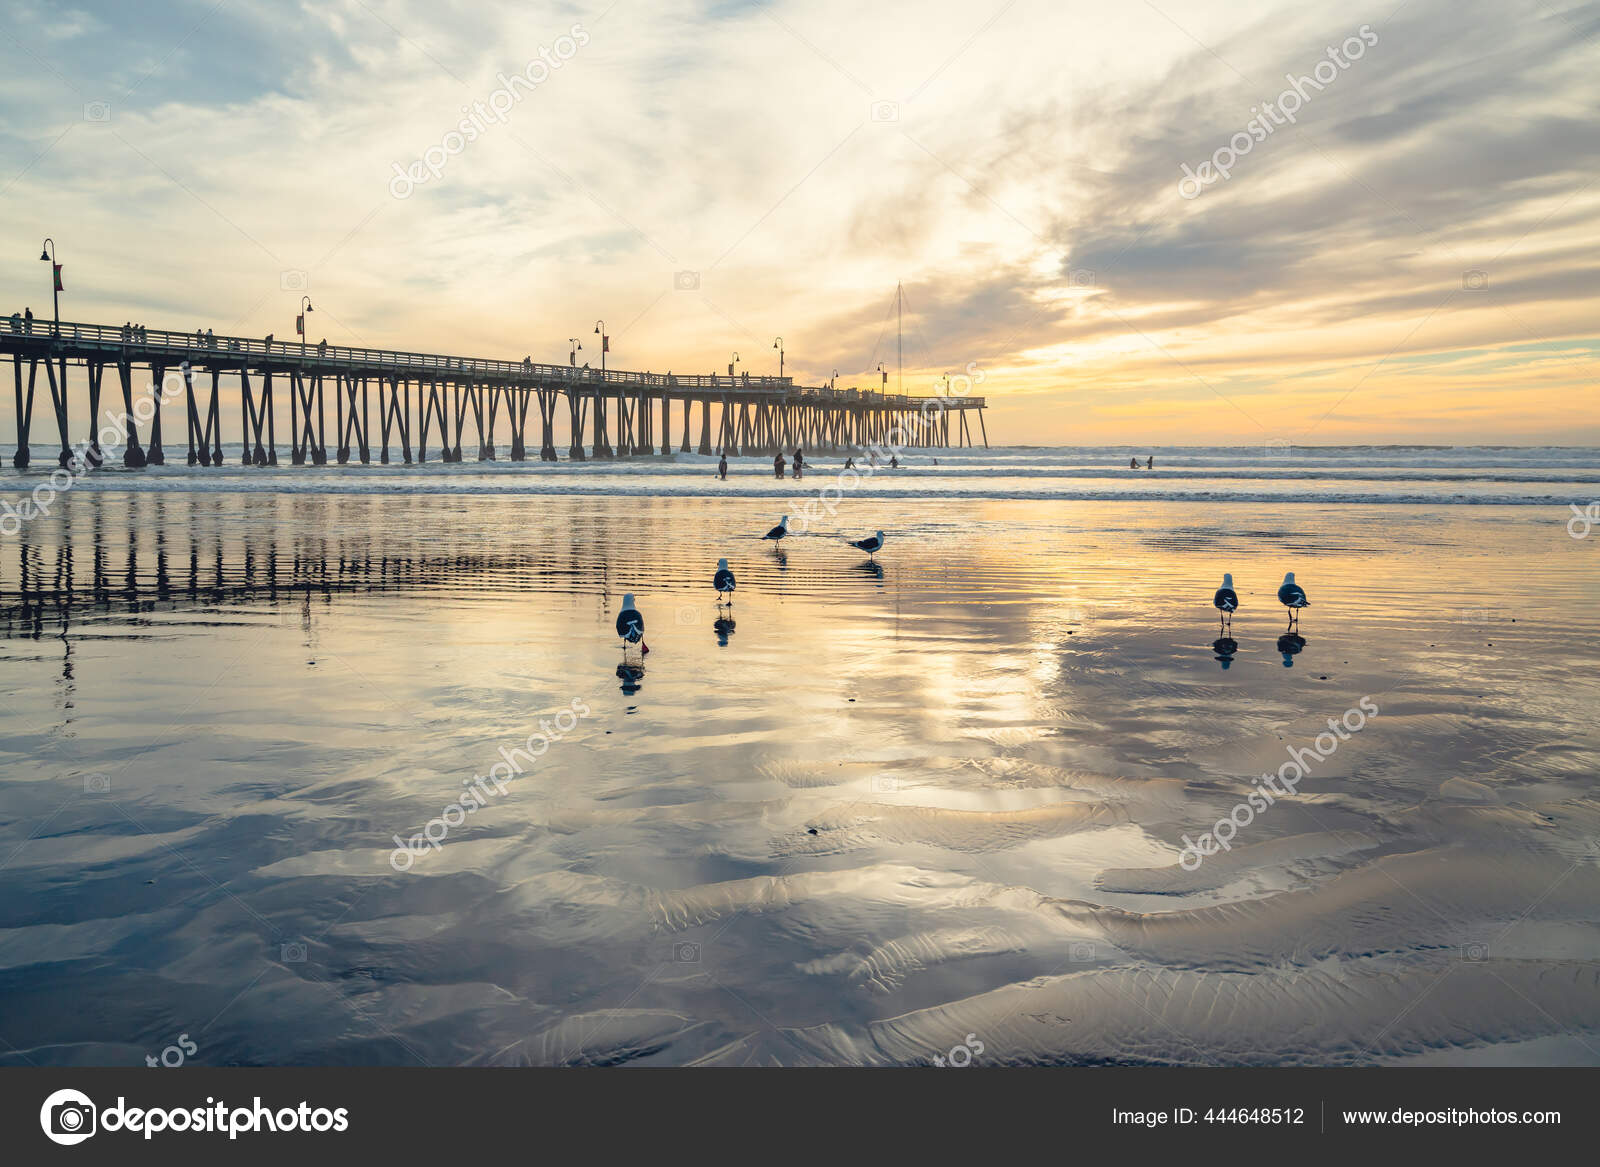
(746, 142)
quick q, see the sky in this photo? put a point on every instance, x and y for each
(1413, 258)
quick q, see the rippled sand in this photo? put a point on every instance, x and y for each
(878, 813)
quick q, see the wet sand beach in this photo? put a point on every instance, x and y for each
(882, 813)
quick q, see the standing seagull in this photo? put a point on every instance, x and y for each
(630, 626)
(724, 582)
(872, 544)
(1226, 599)
(780, 531)
(1292, 596)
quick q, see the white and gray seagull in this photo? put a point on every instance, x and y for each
(724, 582)
(630, 625)
(780, 531)
(1292, 596)
(872, 544)
(1226, 600)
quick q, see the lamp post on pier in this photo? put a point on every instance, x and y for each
(732, 361)
(605, 344)
(778, 344)
(577, 347)
(47, 254)
(300, 323)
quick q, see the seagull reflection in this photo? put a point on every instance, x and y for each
(1290, 644)
(632, 678)
(1225, 648)
(723, 627)
(781, 556)
(871, 567)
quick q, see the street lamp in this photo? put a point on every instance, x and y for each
(577, 347)
(605, 343)
(833, 380)
(732, 361)
(300, 323)
(47, 254)
(778, 344)
(884, 373)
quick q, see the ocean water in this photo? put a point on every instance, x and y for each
(932, 807)
(1510, 476)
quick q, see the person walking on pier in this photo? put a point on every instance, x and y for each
(16, 322)
(722, 467)
(27, 320)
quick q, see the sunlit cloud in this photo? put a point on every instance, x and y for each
(1015, 166)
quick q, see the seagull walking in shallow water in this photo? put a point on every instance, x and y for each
(1226, 600)
(780, 531)
(872, 544)
(724, 582)
(1292, 596)
(630, 625)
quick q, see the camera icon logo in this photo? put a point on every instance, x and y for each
(292, 952)
(97, 784)
(1080, 951)
(686, 281)
(293, 280)
(686, 952)
(1474, 953)
(885, 111)
(883, 784)
(686, 614)
(1474, 280)
(97, 111)
(1081, 277)
(1277, 448)
(68, 1117)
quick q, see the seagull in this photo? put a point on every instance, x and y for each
(723, 581)
(630, 625)
(872, 544)
(1292, 596)
(1226, 599)
(778, 532)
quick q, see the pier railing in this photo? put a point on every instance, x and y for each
(115, 341)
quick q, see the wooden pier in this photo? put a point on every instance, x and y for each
(421, 397)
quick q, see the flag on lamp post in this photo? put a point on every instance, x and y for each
(605, 344)
(59, 288)
(300, 324)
